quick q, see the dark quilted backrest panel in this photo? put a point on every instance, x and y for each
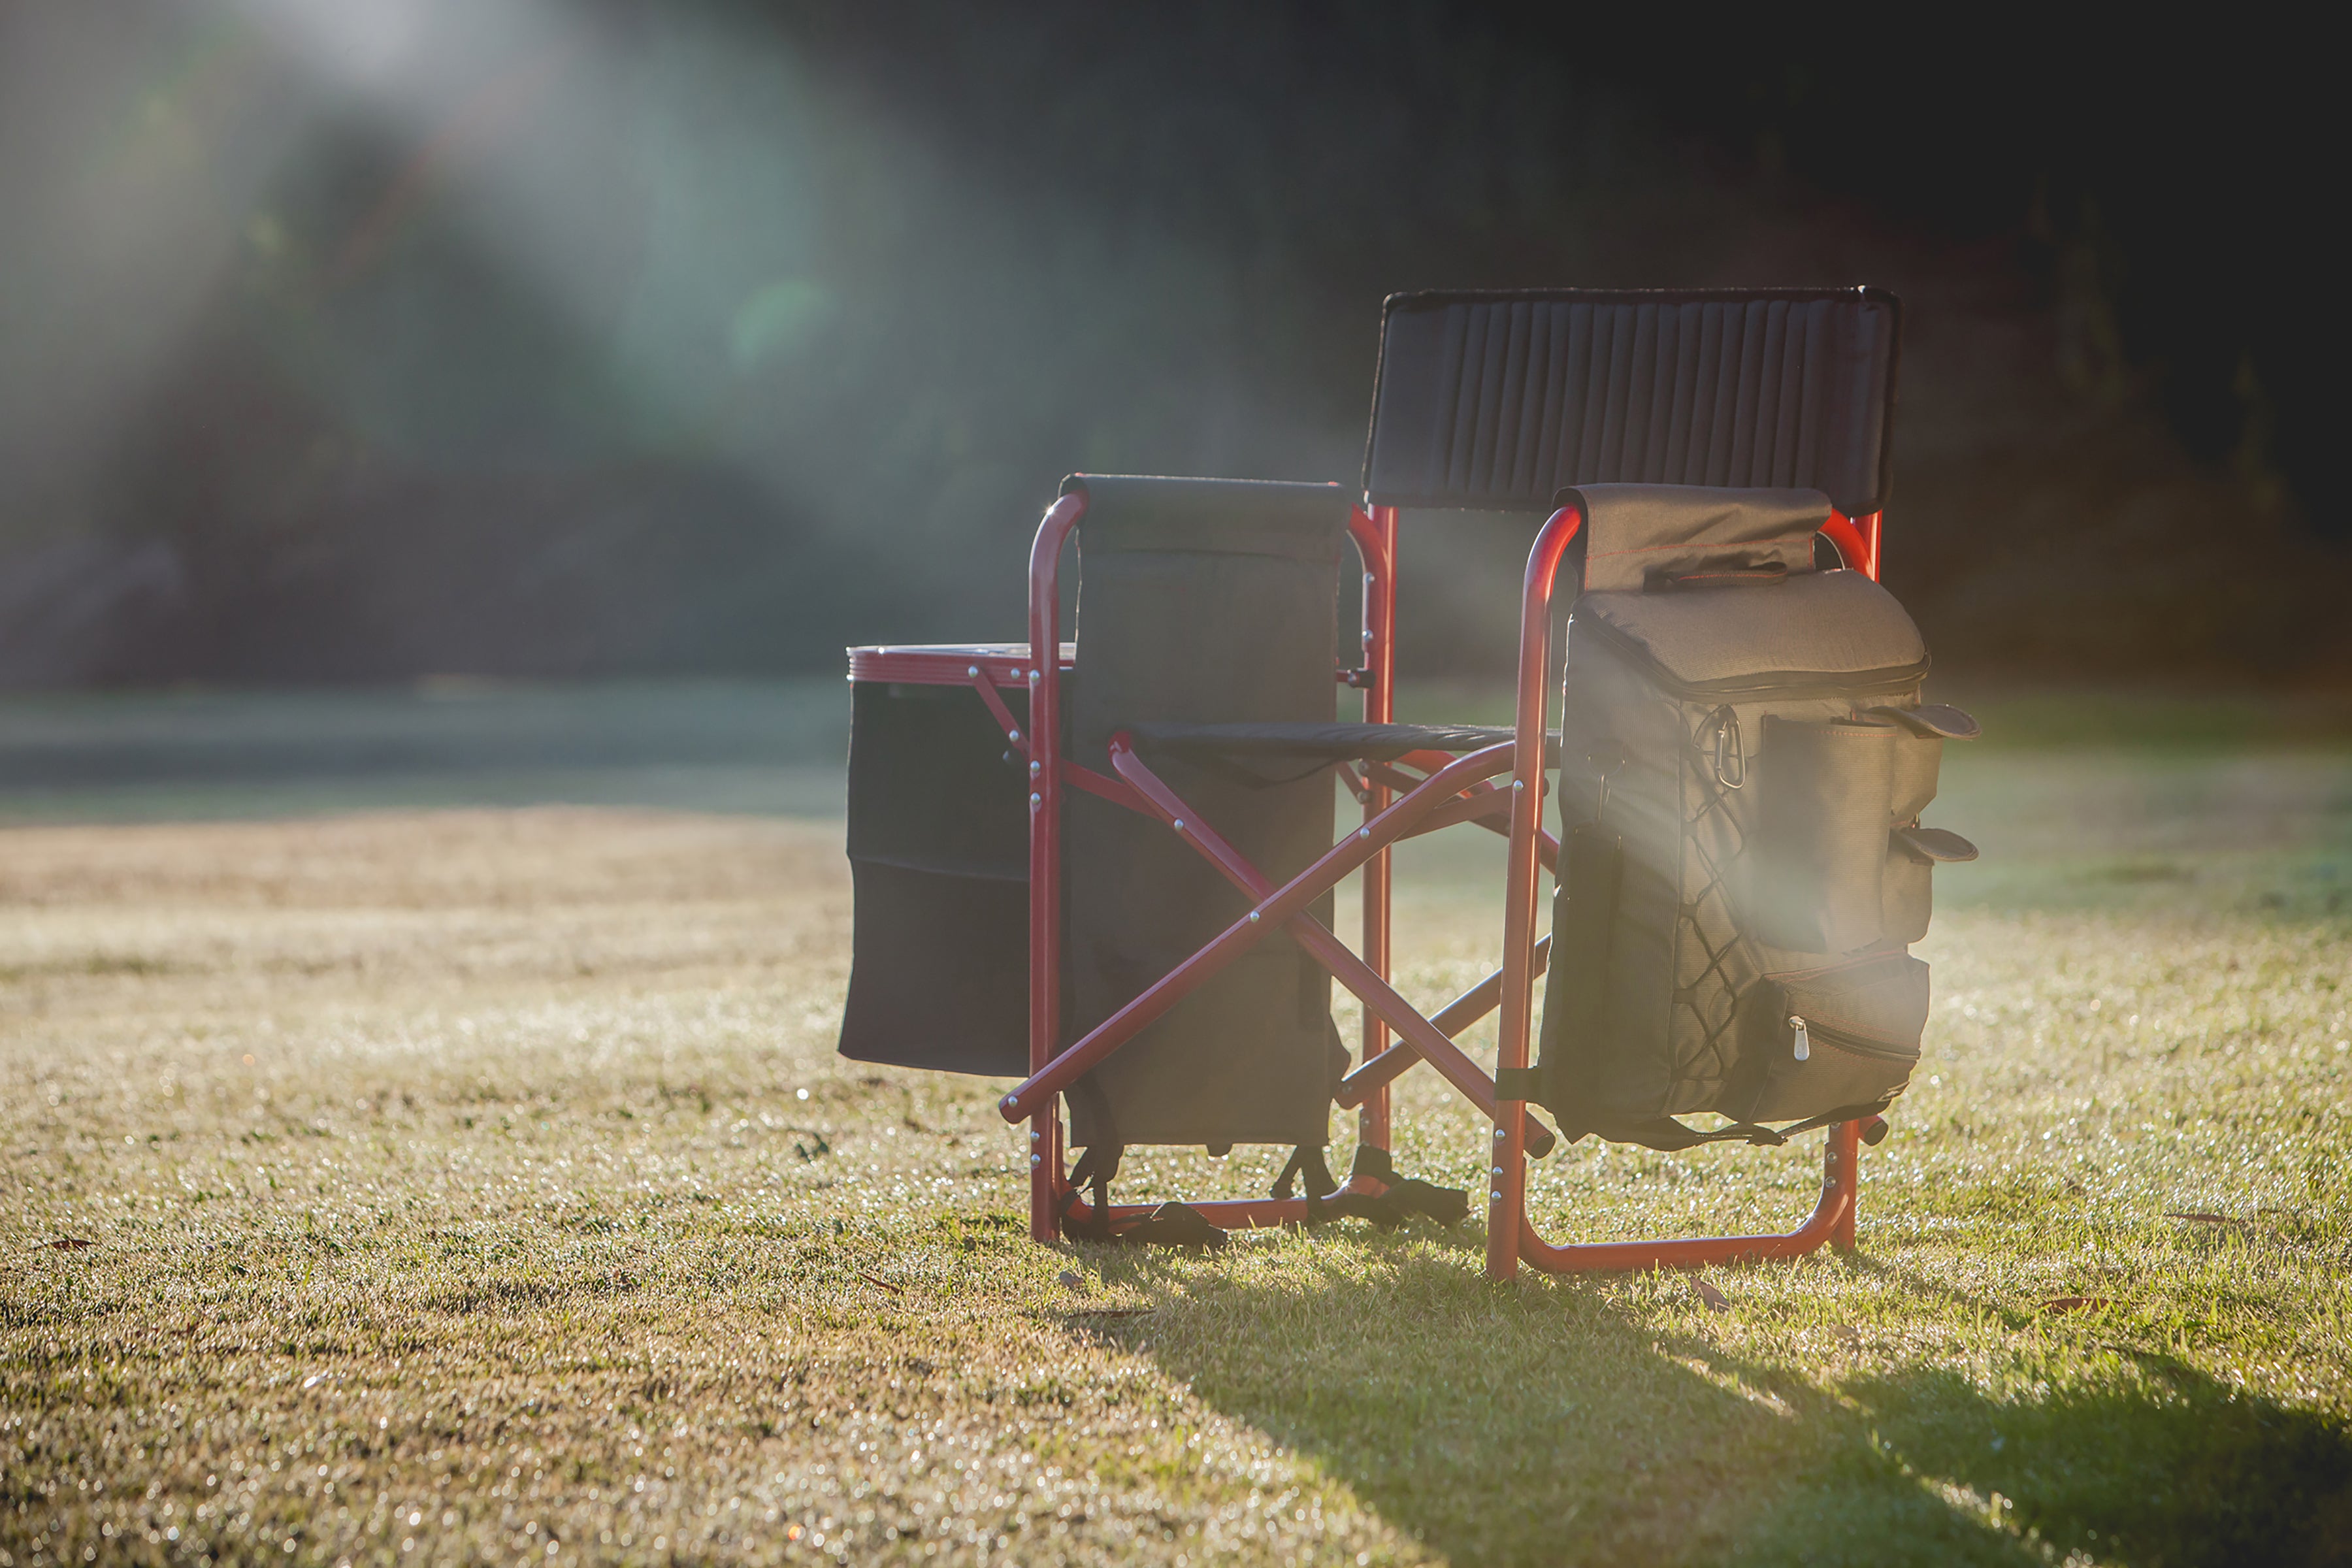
(1499, 400)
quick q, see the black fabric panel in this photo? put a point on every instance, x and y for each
(939, 975)
(1574, 1055)
(1179, 622)
(938, 849)
(1499, 400)
(930, 786)
(1129, 514)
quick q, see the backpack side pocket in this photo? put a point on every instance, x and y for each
(1572, 1071)
(1815, 871)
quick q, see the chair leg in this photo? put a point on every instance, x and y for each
(1844, 1170)
(1831, 1219)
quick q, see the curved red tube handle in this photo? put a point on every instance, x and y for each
(1831, 1221)
(1855, 539)
(1045, 847)
(1509, 1167)
(1374, 530)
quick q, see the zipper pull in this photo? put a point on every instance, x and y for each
(1804, 1040)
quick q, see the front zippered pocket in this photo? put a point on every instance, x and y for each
(1842, 1039)
(1805, 1031)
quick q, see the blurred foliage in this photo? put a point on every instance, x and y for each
(574, 339)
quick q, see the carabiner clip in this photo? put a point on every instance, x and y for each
(1730, 748)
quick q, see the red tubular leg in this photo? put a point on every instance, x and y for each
(1093, 783)
(1483, 806)
(1044, 677)
(1422, 1039)
(1227, 1213)
(1831, 1217)
(986, 687)
(1449, 1020)
(1037, 1091)
(1375, 533)
(1505, 1196)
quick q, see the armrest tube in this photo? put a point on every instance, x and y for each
(1046, 847)
(1504, 1195)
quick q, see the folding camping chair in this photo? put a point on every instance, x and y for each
(1186, 739)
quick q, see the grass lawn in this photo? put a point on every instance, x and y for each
(477, 1185)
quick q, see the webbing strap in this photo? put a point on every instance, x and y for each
(1170, 1225)
(1669, 1136)
(1094, 1168)
(1842, 1113)
(1308, 1164)
(1404, 1196)
(1514, 1083)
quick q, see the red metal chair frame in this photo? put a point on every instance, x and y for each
(1422, 793)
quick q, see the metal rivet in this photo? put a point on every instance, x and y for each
(1180, 825)
(1035, 1136)
(973, 670)
(1037, 1159)
(1013, 736)
(1367, 579)
(1006, 1102)
(1498, 1170)
(1037, 768)
(1518, 783)
(1363, 832)
(1368, 639)
(1499, 1133)
(1493, 1197)
(1253, 916)
(1032, 678)
(1035, 801)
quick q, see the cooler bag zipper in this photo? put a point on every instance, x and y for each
(1804, 1029)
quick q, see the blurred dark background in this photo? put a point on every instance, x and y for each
(373, 339)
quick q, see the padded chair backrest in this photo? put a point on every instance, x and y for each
(1501, 400)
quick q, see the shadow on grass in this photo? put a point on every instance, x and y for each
(1555, 1422)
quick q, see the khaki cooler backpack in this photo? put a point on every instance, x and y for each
(1744, 760)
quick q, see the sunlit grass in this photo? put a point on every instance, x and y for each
(483, 1187)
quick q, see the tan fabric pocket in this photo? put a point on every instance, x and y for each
(1906, 896)
(1814, 873)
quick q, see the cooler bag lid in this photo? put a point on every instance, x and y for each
(1814, 628)
(1713, 591)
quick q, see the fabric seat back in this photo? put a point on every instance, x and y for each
(1502, 400)
(1200, 601)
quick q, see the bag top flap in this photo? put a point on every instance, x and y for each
(1819, 626)
(1636, 534)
